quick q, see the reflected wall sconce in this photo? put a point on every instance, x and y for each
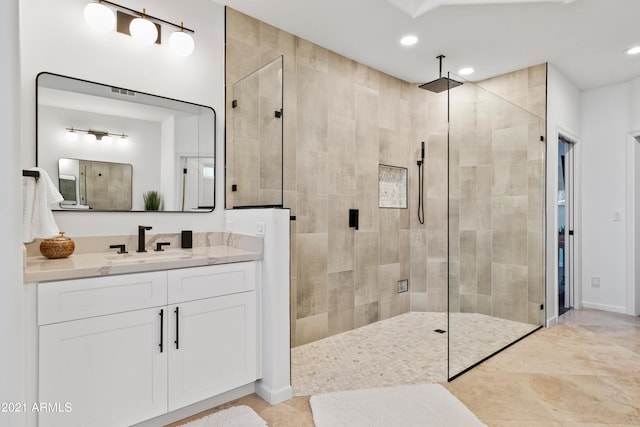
(96, 135)
(143, 28)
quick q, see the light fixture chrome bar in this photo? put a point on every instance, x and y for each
(97, 132)
(149, 17)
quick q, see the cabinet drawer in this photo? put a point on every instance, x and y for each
(80, 298)
(195, 283)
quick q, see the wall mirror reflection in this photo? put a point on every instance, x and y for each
(255, 173)
(87, 184)
(106, 147)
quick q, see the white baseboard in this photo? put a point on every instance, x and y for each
(605, 307)
(196, 408)
(551, 322)
(273, 396)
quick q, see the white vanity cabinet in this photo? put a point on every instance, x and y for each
(212, 331)
(119, 350)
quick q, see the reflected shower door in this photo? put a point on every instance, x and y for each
(496, 225)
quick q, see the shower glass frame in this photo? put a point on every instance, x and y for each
(496, 225)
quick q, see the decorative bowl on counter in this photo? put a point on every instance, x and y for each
(57, 247)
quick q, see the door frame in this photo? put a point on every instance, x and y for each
(569, 217)
(551, 299)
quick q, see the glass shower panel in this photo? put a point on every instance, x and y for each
(255, 175)
(496, 224)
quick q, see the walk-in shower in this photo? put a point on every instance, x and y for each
(492, 259)
(465, 228)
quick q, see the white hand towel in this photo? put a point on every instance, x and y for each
(37, 197)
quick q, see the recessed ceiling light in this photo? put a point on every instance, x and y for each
(634, 50)
(466, 71)
(408, 40)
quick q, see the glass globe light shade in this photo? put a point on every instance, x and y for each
(182, 43)
(123, 140)
(72, 135)
(107, 140)
(100, 17)
(143, 31)
(90, 138)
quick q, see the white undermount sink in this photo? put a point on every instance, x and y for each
(145, 257)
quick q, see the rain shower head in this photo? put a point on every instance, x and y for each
(441, 84)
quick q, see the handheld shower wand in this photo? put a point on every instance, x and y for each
(421, 184)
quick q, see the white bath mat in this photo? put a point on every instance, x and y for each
(424, 405)
(236, 416)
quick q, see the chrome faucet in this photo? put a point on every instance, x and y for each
(141, 237)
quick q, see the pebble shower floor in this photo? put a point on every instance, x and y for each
(400, 350)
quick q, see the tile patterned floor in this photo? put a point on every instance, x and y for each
(401, 350)
(584, 372)
(473, 337)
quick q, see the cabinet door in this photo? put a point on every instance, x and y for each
(110, 369)
(216, 347)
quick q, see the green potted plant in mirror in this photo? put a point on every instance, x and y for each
(152, 200)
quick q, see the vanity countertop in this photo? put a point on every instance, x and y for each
(41, 269)
(96, 264)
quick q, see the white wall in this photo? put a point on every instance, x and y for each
(606, 123)
(56, 38)
(600, 121)
(12, 326)
(275, 386)
(635, 255)
(563, 118)
(633, 200)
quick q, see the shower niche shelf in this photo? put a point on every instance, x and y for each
(392, 187)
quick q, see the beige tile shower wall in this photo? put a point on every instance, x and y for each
(428, 241)
(342, 119)
(497, 203)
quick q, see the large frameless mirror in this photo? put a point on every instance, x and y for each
(107, 147)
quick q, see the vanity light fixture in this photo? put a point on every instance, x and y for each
(181, 42)
(99, 16)
(97, 135)
(144, 28)
(72, 135)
